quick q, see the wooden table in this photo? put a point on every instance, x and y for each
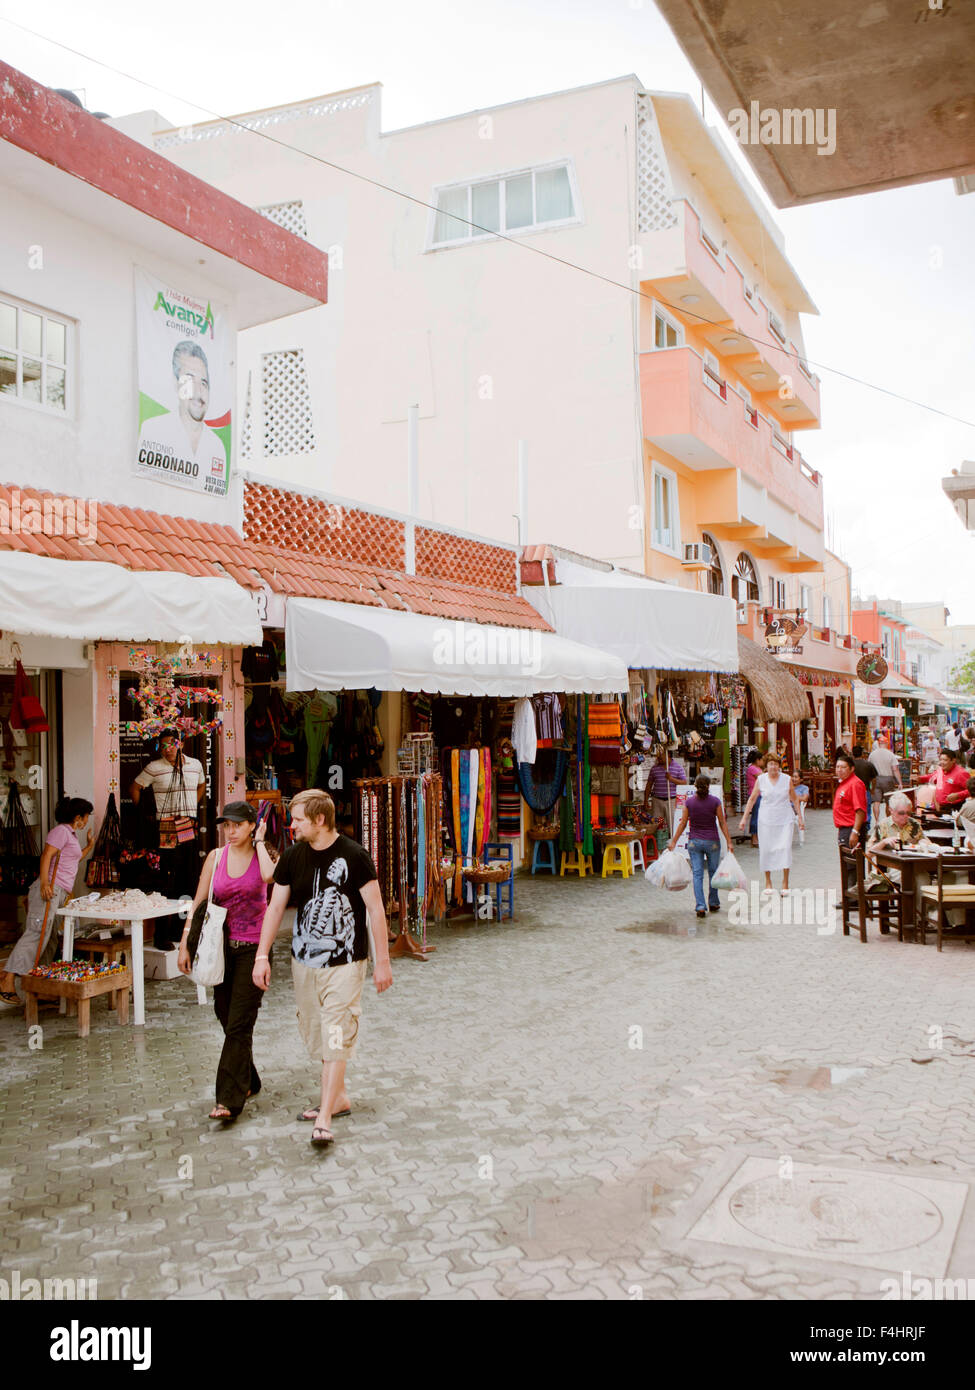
(87, 909)
(908, 864)
(81, 992)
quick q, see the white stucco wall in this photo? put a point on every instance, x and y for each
(495, 343)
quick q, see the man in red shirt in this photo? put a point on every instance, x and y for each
(849, 803)
(950, 782)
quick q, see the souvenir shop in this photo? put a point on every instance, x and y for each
(873, 716)
(829, 724)
(772, 714)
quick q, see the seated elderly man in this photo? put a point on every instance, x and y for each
(900, 830)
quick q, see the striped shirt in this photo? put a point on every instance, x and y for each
(659, 782)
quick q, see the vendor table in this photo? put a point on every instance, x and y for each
(87, 909)
(908, 864)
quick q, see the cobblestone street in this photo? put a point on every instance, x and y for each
(535, 1111)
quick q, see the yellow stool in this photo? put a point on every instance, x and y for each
(576, 862)
(620, 862)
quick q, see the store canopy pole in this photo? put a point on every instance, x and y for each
(412, 484)
(521, 505)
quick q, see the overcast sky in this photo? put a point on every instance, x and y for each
(892, 274)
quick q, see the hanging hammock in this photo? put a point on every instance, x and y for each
(541, 782)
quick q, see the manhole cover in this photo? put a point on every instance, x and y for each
(876, 1219)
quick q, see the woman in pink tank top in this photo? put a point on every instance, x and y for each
(241, 871)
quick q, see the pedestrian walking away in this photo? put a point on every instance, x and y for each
(888, 775)
(777, 820)
(63, 852)
(331, 882)
(239, 872)
(705, 813)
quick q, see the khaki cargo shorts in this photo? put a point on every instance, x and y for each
(329, 1000)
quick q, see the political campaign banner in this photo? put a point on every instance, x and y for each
(185, 352)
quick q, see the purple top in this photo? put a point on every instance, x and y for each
(702, 817)
(245, 899)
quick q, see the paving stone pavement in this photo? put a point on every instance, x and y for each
(534, 1106)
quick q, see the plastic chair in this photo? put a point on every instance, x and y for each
(616, 860)
(637, 859)
(498, 850)
(543, 856)
(576, 862)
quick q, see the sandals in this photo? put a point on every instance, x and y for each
(312, 1113)
(220, 1112)
(10, 996)
(322, 1137)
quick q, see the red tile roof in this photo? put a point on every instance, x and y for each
(141, 540)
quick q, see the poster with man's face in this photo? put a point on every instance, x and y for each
(185, 388)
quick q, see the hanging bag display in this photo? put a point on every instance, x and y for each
(19, 861)
(26, 712)
(103, 869)
(207, 951)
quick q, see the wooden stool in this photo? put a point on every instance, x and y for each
(576, 862)
(620, 861)
(80, 992)
(109, 947)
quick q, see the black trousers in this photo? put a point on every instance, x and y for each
(236, 1003)
(179, 873)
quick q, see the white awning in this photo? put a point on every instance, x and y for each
(643, 622)
(93, 601)
(864, 711)
(352, 646)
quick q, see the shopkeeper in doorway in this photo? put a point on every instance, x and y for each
(665, 776)
(178, 783)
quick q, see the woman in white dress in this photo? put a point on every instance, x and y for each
(777, 814)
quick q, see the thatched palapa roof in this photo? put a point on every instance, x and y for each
(776, 694)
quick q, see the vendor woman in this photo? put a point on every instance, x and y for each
(63, 852)
(179, 786)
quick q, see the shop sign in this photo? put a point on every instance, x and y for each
(186, 384)
(783, 634)
(872, 668)
(925, 707)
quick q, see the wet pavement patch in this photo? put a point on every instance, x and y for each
(818, 1078)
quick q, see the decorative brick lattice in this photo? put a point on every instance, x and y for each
(654, 212)
(245, 429)
(290, 216)
(465, 561)
(288, 424)
(274, 516)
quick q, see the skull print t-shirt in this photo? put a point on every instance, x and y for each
(330, 916)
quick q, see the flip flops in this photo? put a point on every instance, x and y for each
(312, 1114)
(322, 1137)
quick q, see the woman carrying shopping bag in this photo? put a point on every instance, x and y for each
(63, 852)
(705, 814)
(238, 874)
(777, 818)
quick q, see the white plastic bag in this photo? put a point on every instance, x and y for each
(672, 870)
(208, 963)
(729, 873)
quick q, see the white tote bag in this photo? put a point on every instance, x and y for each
(208, 963)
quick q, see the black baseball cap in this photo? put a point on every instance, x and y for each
(238, 811)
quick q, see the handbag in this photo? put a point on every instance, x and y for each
(208, 958)
(176, 830)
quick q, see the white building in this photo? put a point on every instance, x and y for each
(681, 274)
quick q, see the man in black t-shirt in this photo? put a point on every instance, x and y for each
(331, 883)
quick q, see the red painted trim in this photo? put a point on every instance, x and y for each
(37, 120)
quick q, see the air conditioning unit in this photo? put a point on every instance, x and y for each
(741, 614)
(697, 556)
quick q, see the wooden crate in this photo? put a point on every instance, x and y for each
(79, 993)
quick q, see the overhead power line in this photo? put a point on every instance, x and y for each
(500, 236)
